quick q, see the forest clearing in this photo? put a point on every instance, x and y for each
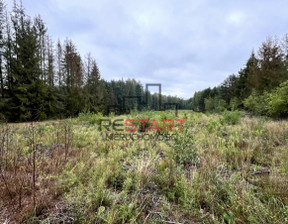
(169, 112)
(221, 168)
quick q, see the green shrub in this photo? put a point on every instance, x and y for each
(235, 103)
(213, 125)
(163, 116)
(91, 118)
(230, 117)
(256, 103)
(134, 112)
(111, 114)
(84, 116)
(278, 101)
(184, 149)
(222, 105)
(209, 104)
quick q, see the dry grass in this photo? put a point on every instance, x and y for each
(213, 172)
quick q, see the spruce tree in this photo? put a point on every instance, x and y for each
(2, 44)
(27, 90)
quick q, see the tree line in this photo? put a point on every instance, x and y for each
(41, 79)
(260, 87)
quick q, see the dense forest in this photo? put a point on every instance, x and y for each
(42, 80)
(261, 87)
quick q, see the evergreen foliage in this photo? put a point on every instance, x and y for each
(256, 86)
(39, 80)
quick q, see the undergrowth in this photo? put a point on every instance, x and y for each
(219, 169)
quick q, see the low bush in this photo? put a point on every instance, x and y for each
(278, 101)
(230, 117)
(91, 118)
(257, 103)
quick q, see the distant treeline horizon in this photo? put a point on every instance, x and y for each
(42, 80)
(261, 87)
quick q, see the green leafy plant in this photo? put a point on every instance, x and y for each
(278, 101)
(183, 145)
(91, 118)
(230, 117)
(257, 103)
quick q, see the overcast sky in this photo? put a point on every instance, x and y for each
(187, 45)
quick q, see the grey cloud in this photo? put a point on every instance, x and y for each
(185, 45)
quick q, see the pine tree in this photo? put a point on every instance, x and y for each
(271, 63)
(2, 44)
(93, 86)
(42, 50)
(245, 83)
(140, 93)
(72, 68)
(27, 90)
(59, 59)
(50, 66)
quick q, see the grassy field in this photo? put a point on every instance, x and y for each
(224, 168)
